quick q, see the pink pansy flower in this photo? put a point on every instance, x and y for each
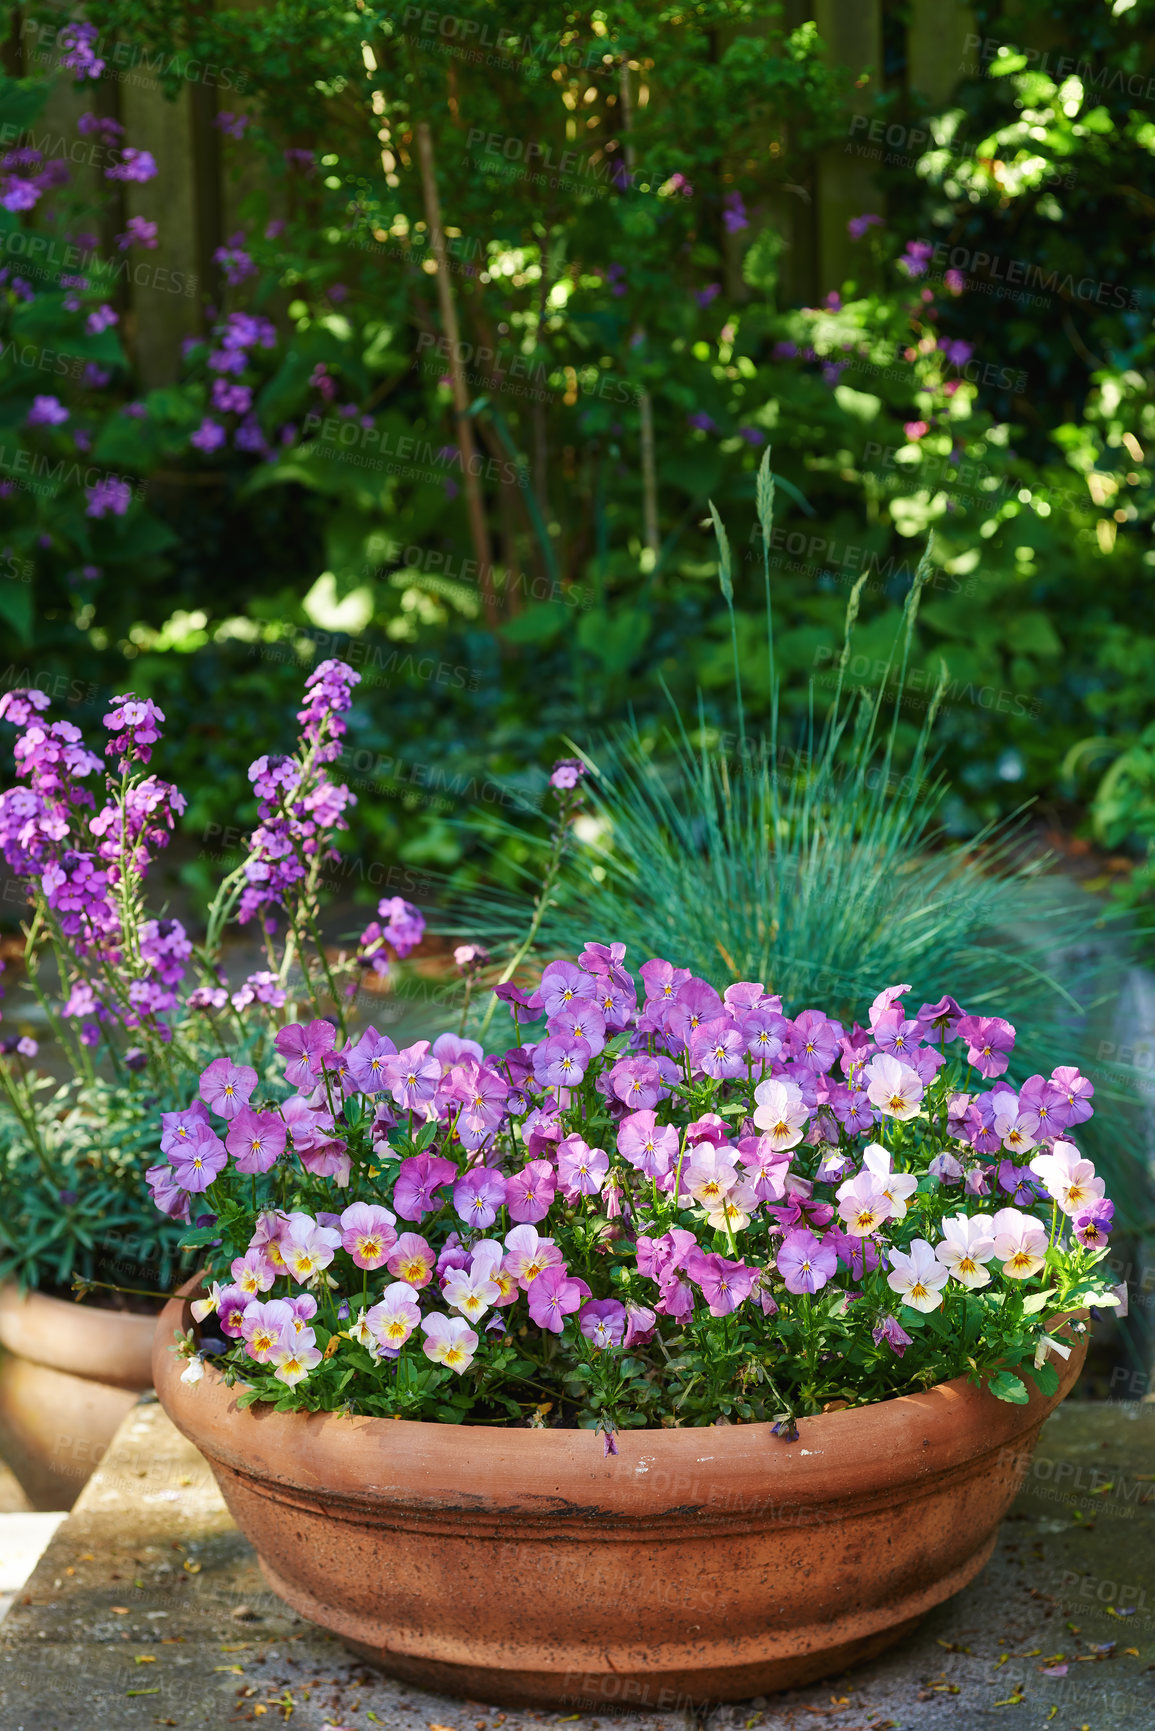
(724, 1284)
(412, 1260)
(918, 1275)
(253, 1272)
(805, 1261)
(202, 1307)
(420, 1178)
(651, 1148)
(895, 1186)
(263, 1326)
(177, 1127)
(1077, 1092)
(968, 1241)
(477, 1196)
(581, 1021)
(886, 1000)
(308, 1248)
(231, 1306)
(449, 1340)
(637, 1082)
(368, 1233)
(990, 1041)
(1020, 1243)
(390, 1322)
(603, 1322)
(580, 1169)
(562, 984)
(893, 1087)
(303, 1045)
(294, 1359)
(766, 1167)
(367, 1061)
(255, 1140)
(862, 1204)
(780, 1112)
(553, 1296)
(470, 1290)
(527, 1255)
(710, 1174)
(1069, 1178)
(718, 1049)
(413, 1075)
(560, 1061)
(530, 1192)
(226, 1086)
(197, 1162)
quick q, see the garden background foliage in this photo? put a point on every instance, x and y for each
(612, 188)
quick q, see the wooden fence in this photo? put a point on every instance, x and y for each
(165, 293)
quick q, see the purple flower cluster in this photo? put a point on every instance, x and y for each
(745, 1161)
(299, 806)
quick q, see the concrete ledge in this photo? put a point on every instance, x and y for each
(148, 1609)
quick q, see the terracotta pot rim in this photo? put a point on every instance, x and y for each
(843, 1434)
(83, 1340)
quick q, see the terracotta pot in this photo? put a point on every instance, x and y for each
(68, 1375)
(522, 1566)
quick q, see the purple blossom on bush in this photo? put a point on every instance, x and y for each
(101, 126)
(734, 218)
(916, 257)
(236, 263)
(135, 165)
(232, 125)
(139, 232)
(108, 495)
(79, 42)
(860, 225)
(209, 436)
(46, 412)
(101, 320)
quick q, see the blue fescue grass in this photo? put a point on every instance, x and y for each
(821, 870)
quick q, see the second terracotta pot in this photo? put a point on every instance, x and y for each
(68, 1375)
(522, 1566)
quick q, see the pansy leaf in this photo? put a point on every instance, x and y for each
(1010, 1388)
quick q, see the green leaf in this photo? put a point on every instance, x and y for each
(1010, 1388)
(1037, 1301)
(1046, 1379)
(540, 623)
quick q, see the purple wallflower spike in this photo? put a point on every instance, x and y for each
(553, 1296)
(603, 1322)
(566, 774)
(255, 1140)
(477, 1196)
(804, 1261)
(415, 1192)
(529, 1193)
(860, 225)
(888, 1328)
(199, 1160)
(226, 1086)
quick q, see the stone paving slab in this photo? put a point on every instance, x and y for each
(147, 1609)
